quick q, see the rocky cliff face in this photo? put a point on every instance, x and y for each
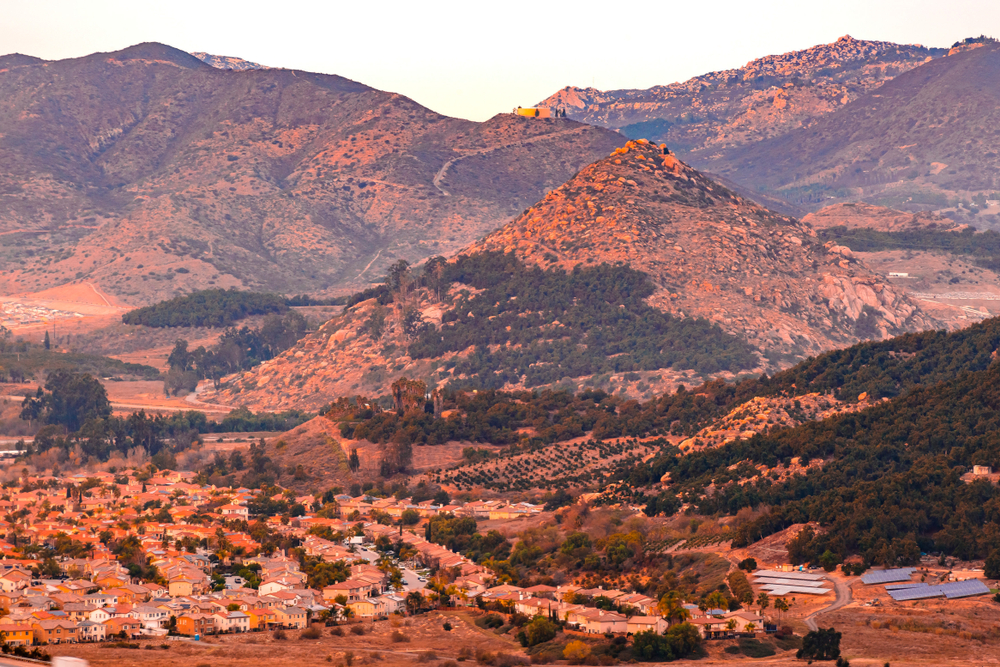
(764, 98)
(712, 254)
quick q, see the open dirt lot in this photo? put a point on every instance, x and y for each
(425, 634)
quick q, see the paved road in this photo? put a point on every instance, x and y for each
(843, 589)
(411, 580)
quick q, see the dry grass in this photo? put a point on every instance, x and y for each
(374, 647)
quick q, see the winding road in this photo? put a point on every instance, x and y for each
(843, 590)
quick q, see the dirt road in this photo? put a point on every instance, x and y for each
(843, 590)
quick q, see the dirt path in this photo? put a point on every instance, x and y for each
(443, 171)
(98, 293)
(843, 589)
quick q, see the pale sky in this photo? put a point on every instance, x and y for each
(474, 59)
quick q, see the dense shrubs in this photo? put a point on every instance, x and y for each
(822, 644)
(206, 308)
(679, 641)
(890, 486)
(553, 324)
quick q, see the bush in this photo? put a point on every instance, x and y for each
(447, 626)
(337, 631)
(509, 660)
(992, 567)
(490, 621)
(822, 644)
(752, 648)
(538, 631)
(279, 634)
(357, 630)
(680, 641)
(312, 632)
(426, 656)
(398, 637)
(748, 564)
(576, 652)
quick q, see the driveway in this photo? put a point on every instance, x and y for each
(843, 590)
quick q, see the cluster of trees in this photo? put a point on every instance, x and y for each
(75, 410)
(255, 470)
(983, 247)
(679, 642)
(21, 359)
(237, 350)
(495, 417)
(207, 308)
(461, 534)
(889, 486)
(551, 324)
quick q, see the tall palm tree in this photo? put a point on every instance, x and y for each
(781, 605)
(671, 607)
(716, 600)
(414, 600)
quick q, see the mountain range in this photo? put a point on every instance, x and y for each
(148, 173)
(710, 255)
(764, 98)
(903, 126)
(926, 140)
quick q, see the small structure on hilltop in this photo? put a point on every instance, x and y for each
(540, 112)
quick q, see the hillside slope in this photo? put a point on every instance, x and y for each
(706, 256)
(878, 218)
(711, 253)
(762, 99)
(925, 140)
(148, 172)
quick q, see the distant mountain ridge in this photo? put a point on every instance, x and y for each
(150, 173)
(925, 140)
(764, 98)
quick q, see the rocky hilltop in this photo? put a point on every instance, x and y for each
(226, 62)
(149, 173)
(710, 254)
(764, 98)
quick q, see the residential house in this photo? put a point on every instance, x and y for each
(17, 634)
(637, 624)
(149, 616)
(261, 618)
(232, 621)
(291, 617)
(196, 624)
(120, 625)
(55, 631)
(91, 631)
(235, 512)
(598, 621)
(14, 580)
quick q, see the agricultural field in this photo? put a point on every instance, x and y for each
(563, 465)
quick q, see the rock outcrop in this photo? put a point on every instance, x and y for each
(712, 254)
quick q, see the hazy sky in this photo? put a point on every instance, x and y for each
(474, 59)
